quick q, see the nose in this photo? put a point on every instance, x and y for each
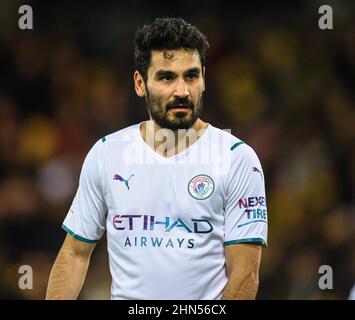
(181, 89)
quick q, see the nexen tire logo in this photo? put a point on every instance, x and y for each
(149, 223)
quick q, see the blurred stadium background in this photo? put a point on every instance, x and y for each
(273, 77)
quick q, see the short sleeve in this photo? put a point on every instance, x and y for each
(87, 215)
(245, 209)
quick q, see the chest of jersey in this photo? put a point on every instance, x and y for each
(176, 198)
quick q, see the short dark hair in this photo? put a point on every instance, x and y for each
(167, 34)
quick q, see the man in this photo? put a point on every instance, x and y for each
(182, 202)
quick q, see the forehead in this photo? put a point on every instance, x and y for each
(174, 60)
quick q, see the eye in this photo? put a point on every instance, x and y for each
(166, 78)
(192, 76)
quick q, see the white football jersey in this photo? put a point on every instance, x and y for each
(168, 219)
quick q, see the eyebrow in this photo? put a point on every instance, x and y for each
(193, 71)
(164, 73)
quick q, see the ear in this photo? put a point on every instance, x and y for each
(139, 84)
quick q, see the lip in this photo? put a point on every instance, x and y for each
(180, 108)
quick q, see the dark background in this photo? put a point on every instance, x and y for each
(279, 82)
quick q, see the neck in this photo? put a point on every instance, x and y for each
(168, 142)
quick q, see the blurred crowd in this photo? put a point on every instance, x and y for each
(279, 82)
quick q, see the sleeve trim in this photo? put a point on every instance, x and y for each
(248, 240)
(236, 145)
(77, 236)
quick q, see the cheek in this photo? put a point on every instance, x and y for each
(196, 92)
(166, 93)
(157, 98)
(163, 96)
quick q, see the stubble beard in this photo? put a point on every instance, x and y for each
(176, 120)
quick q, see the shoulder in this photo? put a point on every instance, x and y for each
(234, 146)
(118, 139)
(122, 135)
(239, 158)
(115, 141)
(222, 139)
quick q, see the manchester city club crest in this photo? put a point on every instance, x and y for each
(201, 187)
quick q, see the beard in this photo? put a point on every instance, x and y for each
(167, 118)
